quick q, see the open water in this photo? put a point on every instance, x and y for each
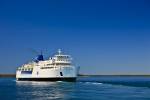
(86, 88)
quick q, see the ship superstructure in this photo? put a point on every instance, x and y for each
(57, 68)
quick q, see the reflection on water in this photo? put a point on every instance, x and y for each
(43, 90)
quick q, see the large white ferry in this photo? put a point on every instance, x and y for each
(57, 68)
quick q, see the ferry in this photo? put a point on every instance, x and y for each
(56, 68)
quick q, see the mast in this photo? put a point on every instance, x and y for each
(59, 51)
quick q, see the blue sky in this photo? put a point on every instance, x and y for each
(103, 36)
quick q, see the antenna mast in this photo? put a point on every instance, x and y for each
(59, 51)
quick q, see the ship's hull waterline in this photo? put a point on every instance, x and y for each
(68, 79)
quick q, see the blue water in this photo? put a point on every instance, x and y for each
(86, 88)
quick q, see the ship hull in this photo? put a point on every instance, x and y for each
(69, 79)
(68, 74)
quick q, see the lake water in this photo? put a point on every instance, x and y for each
(86, 88)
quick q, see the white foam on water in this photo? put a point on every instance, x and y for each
(87, 82)
(94, 83)
(59, 81)
(97, 83)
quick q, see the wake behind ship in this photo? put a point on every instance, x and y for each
(57, 68)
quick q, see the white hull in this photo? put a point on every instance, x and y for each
(61, 72)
